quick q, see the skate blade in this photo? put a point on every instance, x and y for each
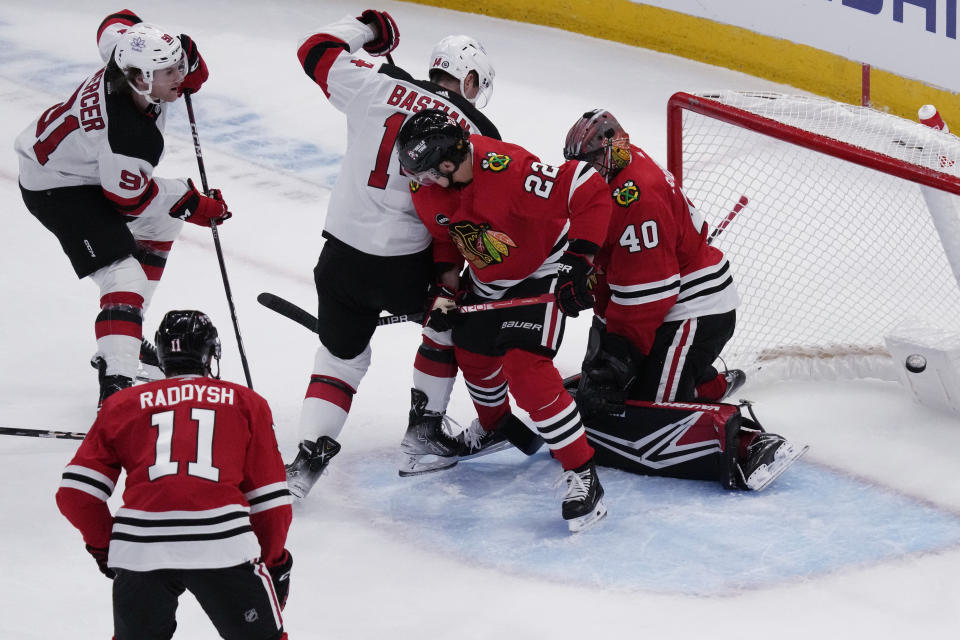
(420, 464)
(583, 523)
(500, 446)
(766, 474)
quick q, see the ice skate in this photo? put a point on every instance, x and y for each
(768, 456)
(735, 378)
(426, 445)
(312, 458)
(109, 385)
(583, 503)
(477, 441)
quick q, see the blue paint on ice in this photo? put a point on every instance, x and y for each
(662, 534)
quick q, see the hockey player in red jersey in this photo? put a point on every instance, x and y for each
(86, 173)
(665, 308)
(377, 253)
(518, 223)
(206, 506)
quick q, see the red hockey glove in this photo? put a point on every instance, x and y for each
(386, 37)
(280, 575)
(100, 555)
(197, 72)
(200, 209)
(575, 281)
(442, 308)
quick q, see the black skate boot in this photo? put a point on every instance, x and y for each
(109, 385)
(312, 458)
(767, 456)
(583, 504)
(477, 441)
(426, 445)
(149, 362)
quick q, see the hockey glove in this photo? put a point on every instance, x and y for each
(386, 35)
(575, 281)
(199, 209)
(442, 308)
(280, 575)
(606, 377)
(197, 72)
(100, 555)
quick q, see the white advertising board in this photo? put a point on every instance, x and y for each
(913, 38)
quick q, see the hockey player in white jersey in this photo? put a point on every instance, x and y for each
(377, 255)
(86, 173)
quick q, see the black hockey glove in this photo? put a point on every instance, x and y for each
(100, 555)
(607, 377)
(387, 35)
(441, 312)
(197, 72)
(575, 281)
(280, 575)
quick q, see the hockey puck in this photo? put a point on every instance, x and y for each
(915, 363)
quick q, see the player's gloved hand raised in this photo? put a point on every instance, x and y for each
(607, 376)
(199, 209)
(197, 72)
(100, 555)
(575, 280)
(386, 37)
(280, 575)
(442, 308)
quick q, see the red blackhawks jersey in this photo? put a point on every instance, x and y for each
(656, 262)
(95, 137)
(512, 222)
(205, 486)
(370, 207)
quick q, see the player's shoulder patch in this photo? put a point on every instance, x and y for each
(131, 133)
(495, 162)
(626, 194)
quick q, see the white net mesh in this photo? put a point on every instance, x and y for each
(828, 255)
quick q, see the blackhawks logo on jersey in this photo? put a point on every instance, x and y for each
(481, 245)
(414, 186)
(626, 194)
(495, 161)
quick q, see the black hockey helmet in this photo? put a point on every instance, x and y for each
(599, 139)
(187, 342)
(427, 139)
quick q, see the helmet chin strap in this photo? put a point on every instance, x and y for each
(145, 93)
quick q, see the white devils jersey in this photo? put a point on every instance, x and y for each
(98, 138)
(370, 208)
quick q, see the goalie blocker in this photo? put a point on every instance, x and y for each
(692, 440)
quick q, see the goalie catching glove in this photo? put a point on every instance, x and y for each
(386, 35)
(607, 376)
(199, 209)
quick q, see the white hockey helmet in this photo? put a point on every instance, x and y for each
(148, 49)
(458, 56)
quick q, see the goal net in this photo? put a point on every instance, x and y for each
(845, 227)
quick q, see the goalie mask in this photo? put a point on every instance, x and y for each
(599, 139)
(187, 342)
(458, 56)
(428, 139)
(145, 49)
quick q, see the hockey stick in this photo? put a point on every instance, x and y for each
(216, 239)
(737, 208)
(308, 320)
(42, 433)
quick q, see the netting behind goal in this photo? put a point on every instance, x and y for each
(836, 244)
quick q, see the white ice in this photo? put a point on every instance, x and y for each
(860, 540)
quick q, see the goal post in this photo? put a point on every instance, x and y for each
(847, 225)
